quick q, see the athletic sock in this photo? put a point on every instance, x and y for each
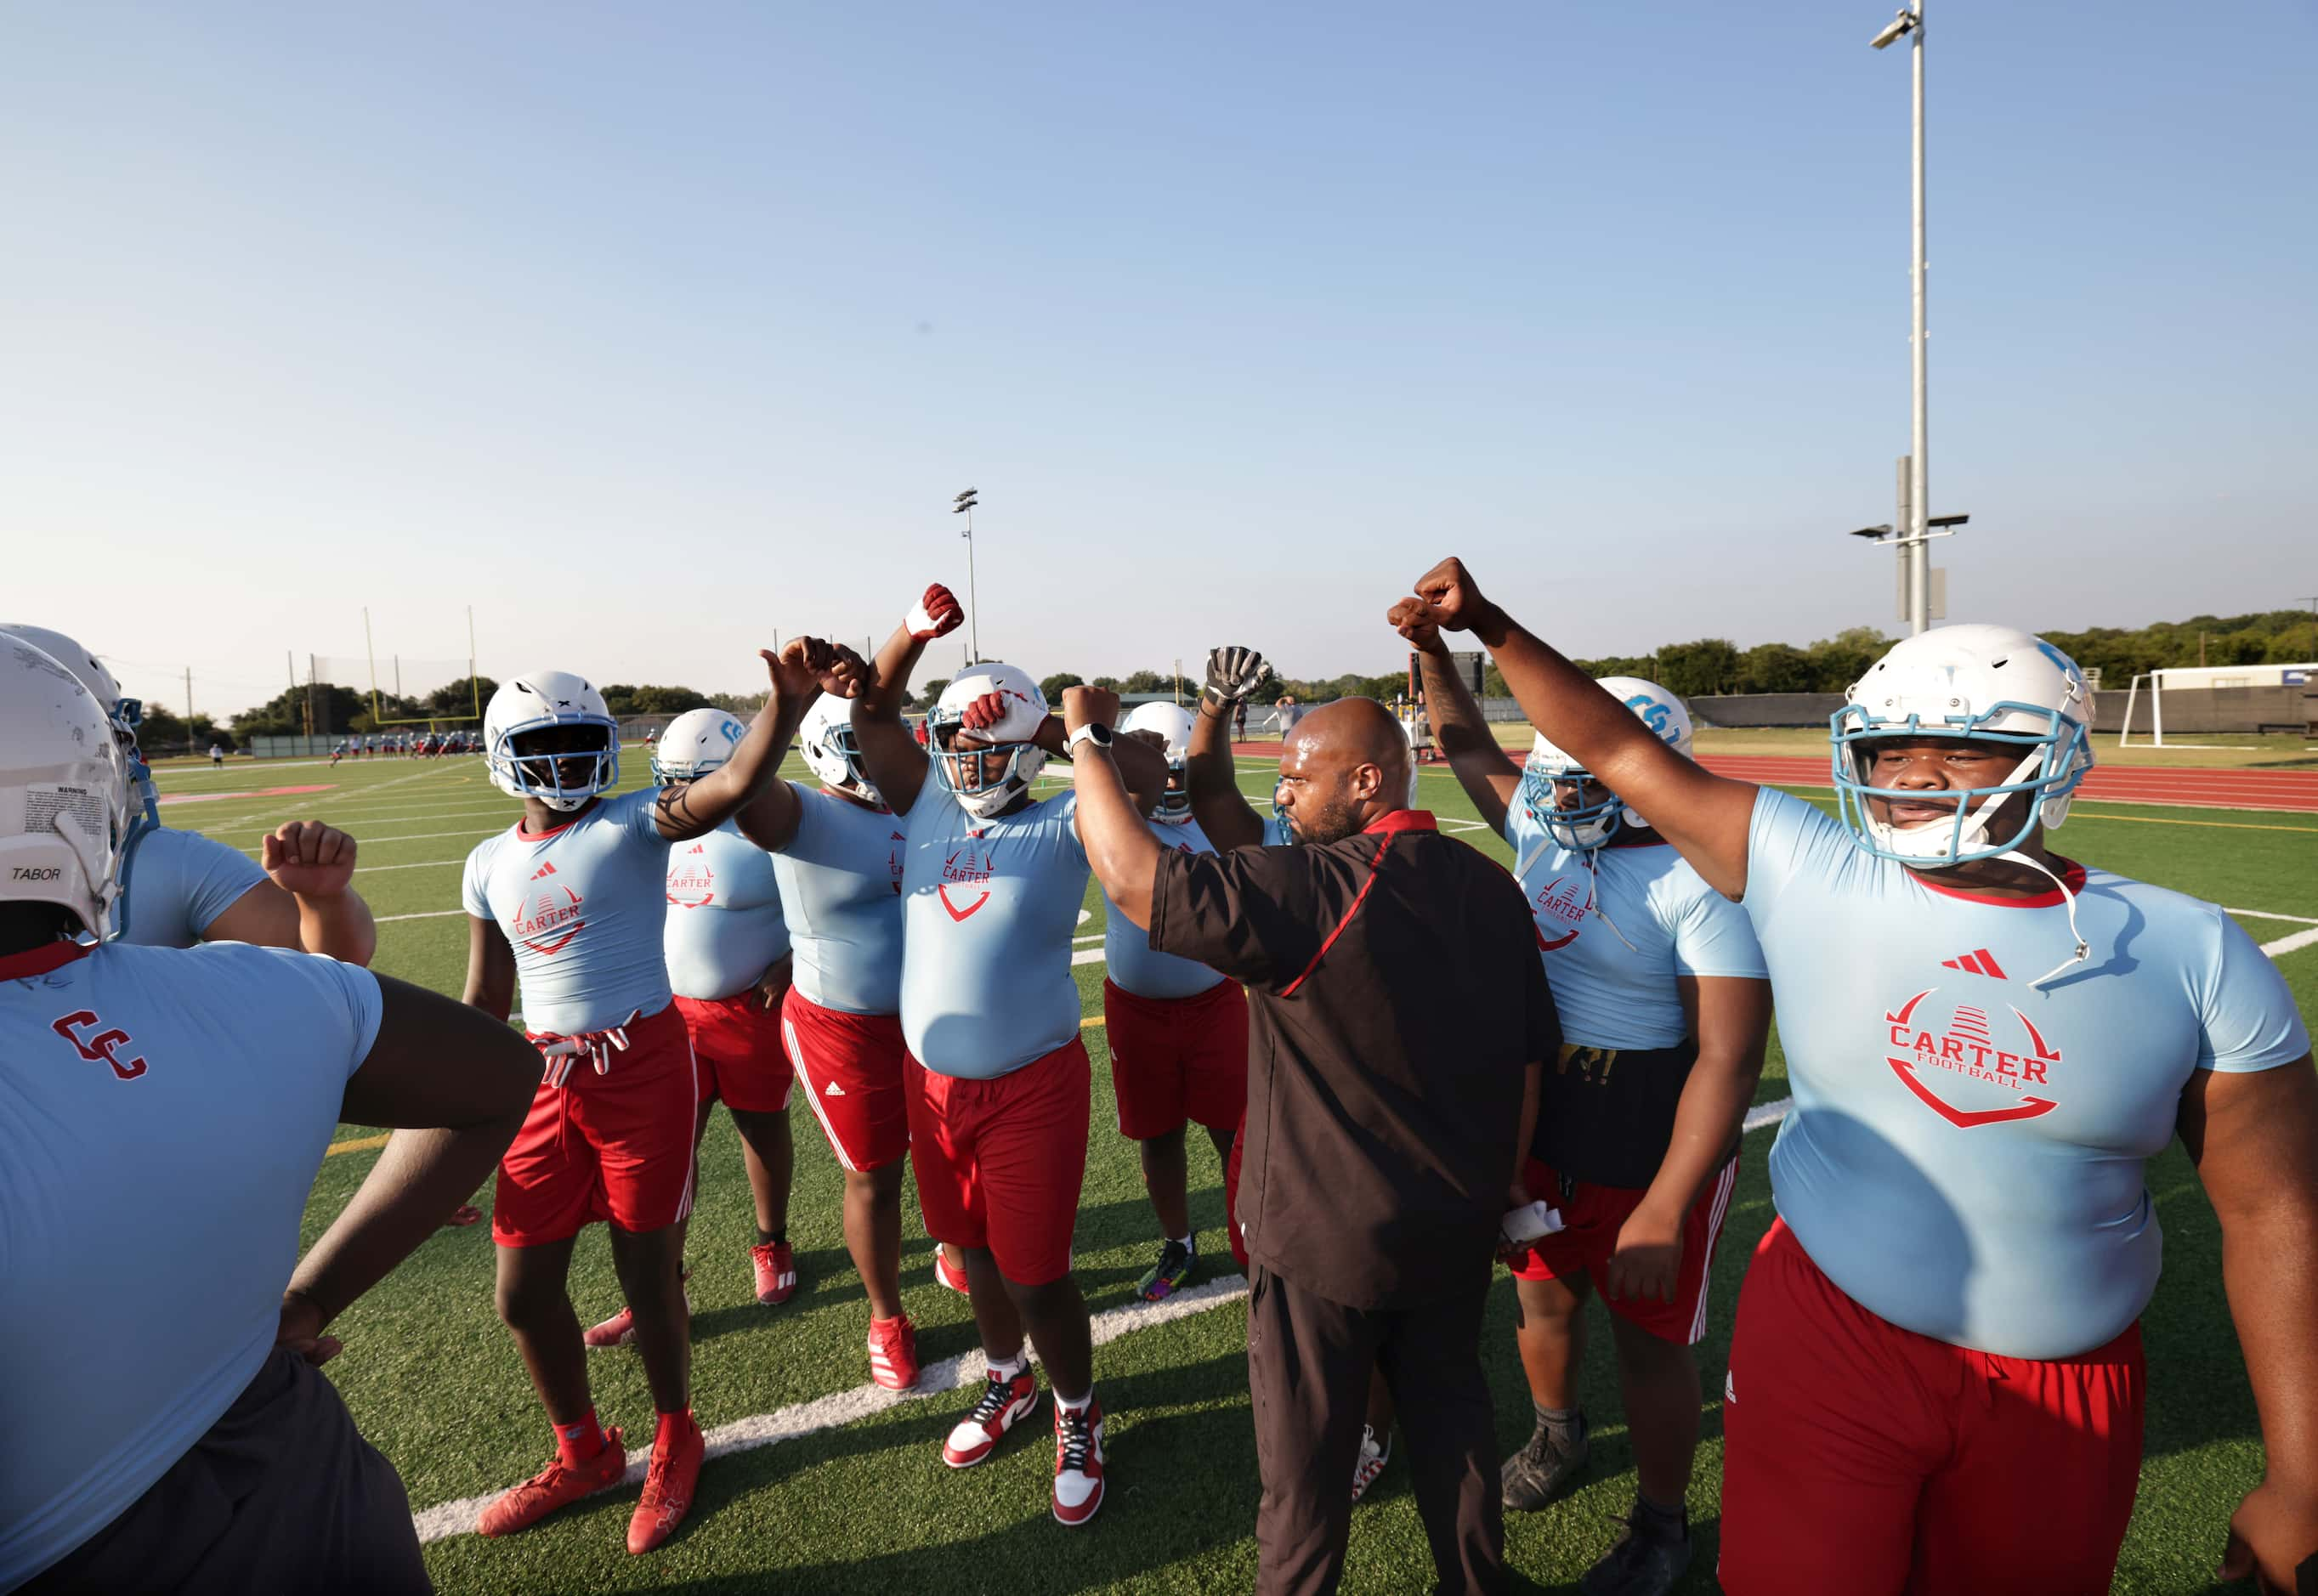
(1667, 1523)
(1562, 1424)
(575, 1444)
(675, 1423)
(1074, 1404)
(1185, 1243)
(772, 1238)
(1008, 1367)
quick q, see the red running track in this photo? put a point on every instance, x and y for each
(2291, 790)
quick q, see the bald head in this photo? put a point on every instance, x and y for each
(1344, 767)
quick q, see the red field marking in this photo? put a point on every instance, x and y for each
(2292, 790)
(260, 793)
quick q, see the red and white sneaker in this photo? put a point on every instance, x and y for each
(894, 1352)
(950, 1274)
(675, 1470)
(776, 1268)
(620, 1328)
(1078, 1462)
(1006, 1401)
(555, 1486)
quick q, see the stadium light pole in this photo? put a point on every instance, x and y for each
(963, 505)
(1909, 24)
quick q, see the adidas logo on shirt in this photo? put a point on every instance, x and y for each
(1979, 961)
(545, 871)
(833, 1091)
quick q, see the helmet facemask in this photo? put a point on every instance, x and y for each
(562, 763)
(966, 773)
(2052, 760)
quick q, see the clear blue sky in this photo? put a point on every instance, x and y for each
(650, 329)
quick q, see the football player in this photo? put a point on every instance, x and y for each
(1665, 1005)
(728, 964)
(1177, 1029)
(178, 888)
(836, 856)
(1986, 1042)
(186, 1440)
(573, 899)
(992, 879)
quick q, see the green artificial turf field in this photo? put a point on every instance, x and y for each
(866, 1505)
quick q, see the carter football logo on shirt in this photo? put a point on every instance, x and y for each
(538, 929)
(1933, 1063)
(691, 884)
(1560, 903)
(966, 868)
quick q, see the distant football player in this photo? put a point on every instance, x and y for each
(573, 899)
(992, 879)
(1177, 1029)
(1665, 1005)
(836, 856)
(182, 1438)
(1986, 1043)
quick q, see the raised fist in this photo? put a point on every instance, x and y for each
(1452, 600)
(984, 712)
(937, 614)
(1092, 706)
(1412, 618)
(1233, 674)
(310, 858)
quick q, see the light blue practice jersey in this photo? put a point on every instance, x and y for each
(841, 879)
(584, 907)
(1127, 955)
(1614, 988)
(189, 1090)
(988, 909)
(725, 925)
(177, 882)
(1965, 1152)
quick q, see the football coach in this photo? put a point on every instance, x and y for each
(1399, 1020)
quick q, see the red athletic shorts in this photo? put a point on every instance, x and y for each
(1177, 1060)
(1859, 1456)
(851, 1065)
(1000, 1163)
(738, 1042)
(1590, 1218)
(614, 1146)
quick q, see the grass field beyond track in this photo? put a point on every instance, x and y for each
(867, 1506)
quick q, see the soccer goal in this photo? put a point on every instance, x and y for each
(2199, 682)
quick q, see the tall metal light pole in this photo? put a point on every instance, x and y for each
(1916, 550)
(963, 505)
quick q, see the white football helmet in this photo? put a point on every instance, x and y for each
(1992, 684)
(696, 742)
(959, 773)
(64, 790)
(831, 751)
(540, 702)
(1590, 825)
(1172, 722)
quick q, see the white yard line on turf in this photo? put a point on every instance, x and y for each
(2264, 914)
(2286, 945)
(844, 1407)
(414, 836)
(432, 914)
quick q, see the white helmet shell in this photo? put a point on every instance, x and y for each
(696, 742)
(1025, 714)
(537, 702)
(1172, 722)
(1992, 684)
(64, 789)
(1589, 826)
(831, 751)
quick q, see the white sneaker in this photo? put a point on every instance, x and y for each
(1374, 1456)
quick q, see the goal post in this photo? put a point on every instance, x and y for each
(2156, 739)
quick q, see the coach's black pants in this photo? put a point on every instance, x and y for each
(282, 1494)
(1308, 1361)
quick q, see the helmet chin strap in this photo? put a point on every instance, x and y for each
(2084, 949)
